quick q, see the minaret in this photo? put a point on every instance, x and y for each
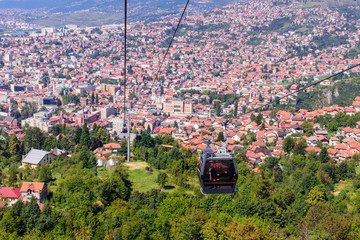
(61, 117)
(10, 110)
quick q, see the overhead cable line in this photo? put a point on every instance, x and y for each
(125, 36)
(303, 88)
(172, 39)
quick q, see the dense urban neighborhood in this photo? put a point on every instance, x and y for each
(65, 171)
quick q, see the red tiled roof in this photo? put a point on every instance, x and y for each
(35, 186)
(332, 151)
(340, 146)
(252, 155)
(316, 149)
(112, 145)
(9, 192)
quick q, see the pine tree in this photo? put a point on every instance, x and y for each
(97, 99)
(45, 174)
(34, 138)
(95, 128)
(162, 179)
(289, 144)
(31, 214)
(252, 117)
(261, 98)
(300, 147)
(217, 108)
(258, 119)
(14, 145)
(77, 135)
(324, 156)
(123, 147)
(221, 137)
(17, 208)
(236, 109)
(92, 98)
(12, 177)
(102, 135)
(85, 136)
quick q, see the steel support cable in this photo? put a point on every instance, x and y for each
(303, 88)
(125, 55)
(172, 39)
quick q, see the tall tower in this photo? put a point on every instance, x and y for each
(10, 110)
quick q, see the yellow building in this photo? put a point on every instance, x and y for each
(110, 88)
(36, 158)
(178, 106)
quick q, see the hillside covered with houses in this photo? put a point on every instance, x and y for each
(65, 115)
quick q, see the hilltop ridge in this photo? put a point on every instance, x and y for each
(101, 12)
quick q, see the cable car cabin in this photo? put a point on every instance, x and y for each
(217, 173)
(124, 133)
(124, 130)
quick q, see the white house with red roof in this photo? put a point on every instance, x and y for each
(112, 146)
(238, 136)
(9, 195)
(356, 105)
(38, 190)
(254, 157)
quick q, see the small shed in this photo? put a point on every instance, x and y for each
(111, 163)
(100, 163)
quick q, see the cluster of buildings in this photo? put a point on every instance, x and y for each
(243, 49)
(254, 50)
(269, 135)
(10, 195)
(38, 190)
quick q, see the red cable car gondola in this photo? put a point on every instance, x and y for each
(217, 170)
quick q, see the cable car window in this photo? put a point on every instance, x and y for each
(220, 170)
(219, 174)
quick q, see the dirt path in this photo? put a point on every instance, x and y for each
(136, 165)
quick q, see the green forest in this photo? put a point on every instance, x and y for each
(300, 196)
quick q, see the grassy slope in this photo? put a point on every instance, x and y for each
(143, 181)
